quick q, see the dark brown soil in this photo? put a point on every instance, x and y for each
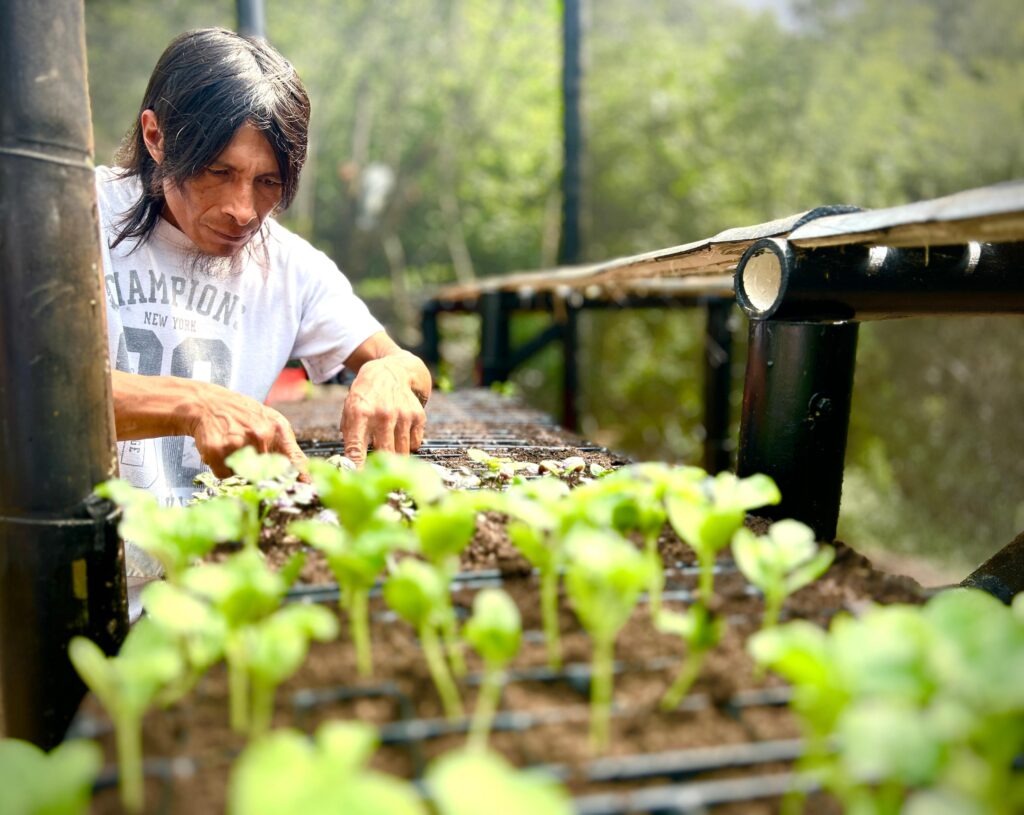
(193, 746)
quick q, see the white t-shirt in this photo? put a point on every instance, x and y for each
(164, 318)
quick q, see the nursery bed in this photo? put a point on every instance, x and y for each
(727, 748)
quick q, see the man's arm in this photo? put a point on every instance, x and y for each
(221, 421)
(385, 404)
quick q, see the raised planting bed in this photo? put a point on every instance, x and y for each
(728, 745)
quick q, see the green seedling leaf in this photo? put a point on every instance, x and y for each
(260, 467)
(604, 580)
(124, 494)
(126, 685)
(418, 593)
(495, 632)
(277, 647)
(56, 783)
(391, 472)
(883, 741)
(461, 780)
(175, 536)
(286, 773)
(701, 630)
(242, 588)
(781, 562)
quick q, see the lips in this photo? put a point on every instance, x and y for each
(229, 238)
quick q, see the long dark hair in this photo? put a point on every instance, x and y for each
(206, 85)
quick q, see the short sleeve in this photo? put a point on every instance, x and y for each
(334, 320)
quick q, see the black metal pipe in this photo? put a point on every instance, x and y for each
(775, 279)
(251, 20)
(570, 243)
(495, 337)
(718, 359)
(61, 567)
(430, 343)
(795, 416)
(570, 369)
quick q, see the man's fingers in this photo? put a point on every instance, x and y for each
(354, 428)
(383, 432)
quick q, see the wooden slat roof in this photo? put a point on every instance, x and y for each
(988, 214)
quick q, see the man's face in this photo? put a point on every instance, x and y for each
(223, 207)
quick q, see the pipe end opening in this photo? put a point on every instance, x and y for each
(762, 279)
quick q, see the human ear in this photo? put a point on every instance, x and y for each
(152, 135)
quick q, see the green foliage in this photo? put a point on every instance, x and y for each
(285, 773)
(175, 536)
(56, 783)
(921, 702)
(461, 779)
(127, 685)
(706, 514)
(779, 563)
(604, 580)
(701, 630)
(495, 632)
(356, 562)
(418, 593)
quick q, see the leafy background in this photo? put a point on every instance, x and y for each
(435, 156)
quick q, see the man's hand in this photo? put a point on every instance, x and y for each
(221, 421)
(385, 404)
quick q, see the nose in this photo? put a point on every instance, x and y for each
(240, 204)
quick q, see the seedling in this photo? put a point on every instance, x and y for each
(418, 593)
(701, 630)
(277, 647)
(604, 579)
(495, 632)
(907, 706)
(443, 530)
(707, 514)
(56, 783)
(356, 562)
(260, 478)
(361, 497)
(199, 631)
(244, 591)
(175, 536)
(461, 781)
(500, 470)
(286, 773)
(538, 508)
(127, 685)
(779, 563)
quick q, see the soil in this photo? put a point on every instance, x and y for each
(189, 748)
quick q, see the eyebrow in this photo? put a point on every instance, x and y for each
(218, 162)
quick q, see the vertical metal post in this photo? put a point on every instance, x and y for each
(430, 347)
(61, 566)
(570, 243)
(717, 384)
(796, 413)
(495, 337)
(251, 20)
(570, 369)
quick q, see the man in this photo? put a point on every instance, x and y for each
(208, 296)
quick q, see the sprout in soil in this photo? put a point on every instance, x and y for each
(500, 471)
(706, 514)
(175, 536)
(604, 580)
(126, 685)
(539, 516)
(361, 498)
(701, 630)
(495, 632)
(198, 629)
(277, 647)
(908, 706)
(56, 783)
(356, 561)
(286, 773)
(418, 593)
(779, 563)
(462, 781)
(244, 591)
(443, 530)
